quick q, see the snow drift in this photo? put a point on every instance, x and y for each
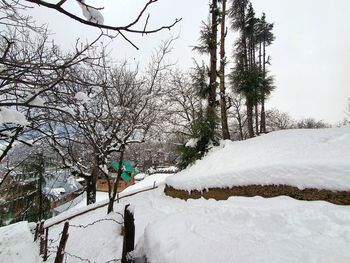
(300, 158)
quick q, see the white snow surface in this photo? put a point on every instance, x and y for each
(91, 14)
(301, 158)
(237, 230)
(149, 181)
(12, 116)
(245, 230)
(81, 96)
(192, 143)
(16, 244)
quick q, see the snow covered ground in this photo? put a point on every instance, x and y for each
(301, 158)
(16, 244)
(237, 230)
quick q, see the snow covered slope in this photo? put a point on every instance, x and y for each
(16, 244)
(301, 158)
(237, 230)
(243, 230)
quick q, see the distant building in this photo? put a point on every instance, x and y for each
(127, 177)
(63, 190)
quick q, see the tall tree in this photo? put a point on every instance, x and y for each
(223, 106)
(212, 103)
(250, 76)
(244, 73)
(266, 38)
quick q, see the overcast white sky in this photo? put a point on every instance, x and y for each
(310, 57)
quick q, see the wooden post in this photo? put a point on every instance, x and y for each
(62, 245)
(129, 234)
(36, 232)
(41, 236)
(46, 243)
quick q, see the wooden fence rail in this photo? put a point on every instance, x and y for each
(97, 207)
(129, 231)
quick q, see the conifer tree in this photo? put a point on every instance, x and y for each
(250, 77)
(266, 38)
(244, 75)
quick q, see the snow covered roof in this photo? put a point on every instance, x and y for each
(301, 158)
(60, 183)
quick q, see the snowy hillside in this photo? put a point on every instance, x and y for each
(301, 158)
(237, 230)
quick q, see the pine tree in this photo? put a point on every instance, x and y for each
(205, 124)
(265, 38)
(245, 70)
(250, 76)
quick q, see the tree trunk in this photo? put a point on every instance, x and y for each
(91, 186)
(115, 187)
(224, 125)
(250, 117)
(256, 118)
(262, 117)
(240, 125)
(213, 55)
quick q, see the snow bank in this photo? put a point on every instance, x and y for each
(146, 183)
(240, 230)
(301, 158)
(16, 244)
(250, 230)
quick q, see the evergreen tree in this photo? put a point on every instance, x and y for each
(244, 71)
(266, 38)
(250, 75)
(203, 135)
(204, 125)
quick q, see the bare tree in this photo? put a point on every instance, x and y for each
(119, 109)
(182, 104)
(311, 123)
(277, 120)
(93, 17)
(31, 69)
(239, 114)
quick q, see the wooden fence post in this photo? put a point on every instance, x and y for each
(62, 245)
(41, 238)
(129, 234)
(36, 232)
(46, 243)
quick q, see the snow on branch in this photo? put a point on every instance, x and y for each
(94, 18)
(91, 13)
